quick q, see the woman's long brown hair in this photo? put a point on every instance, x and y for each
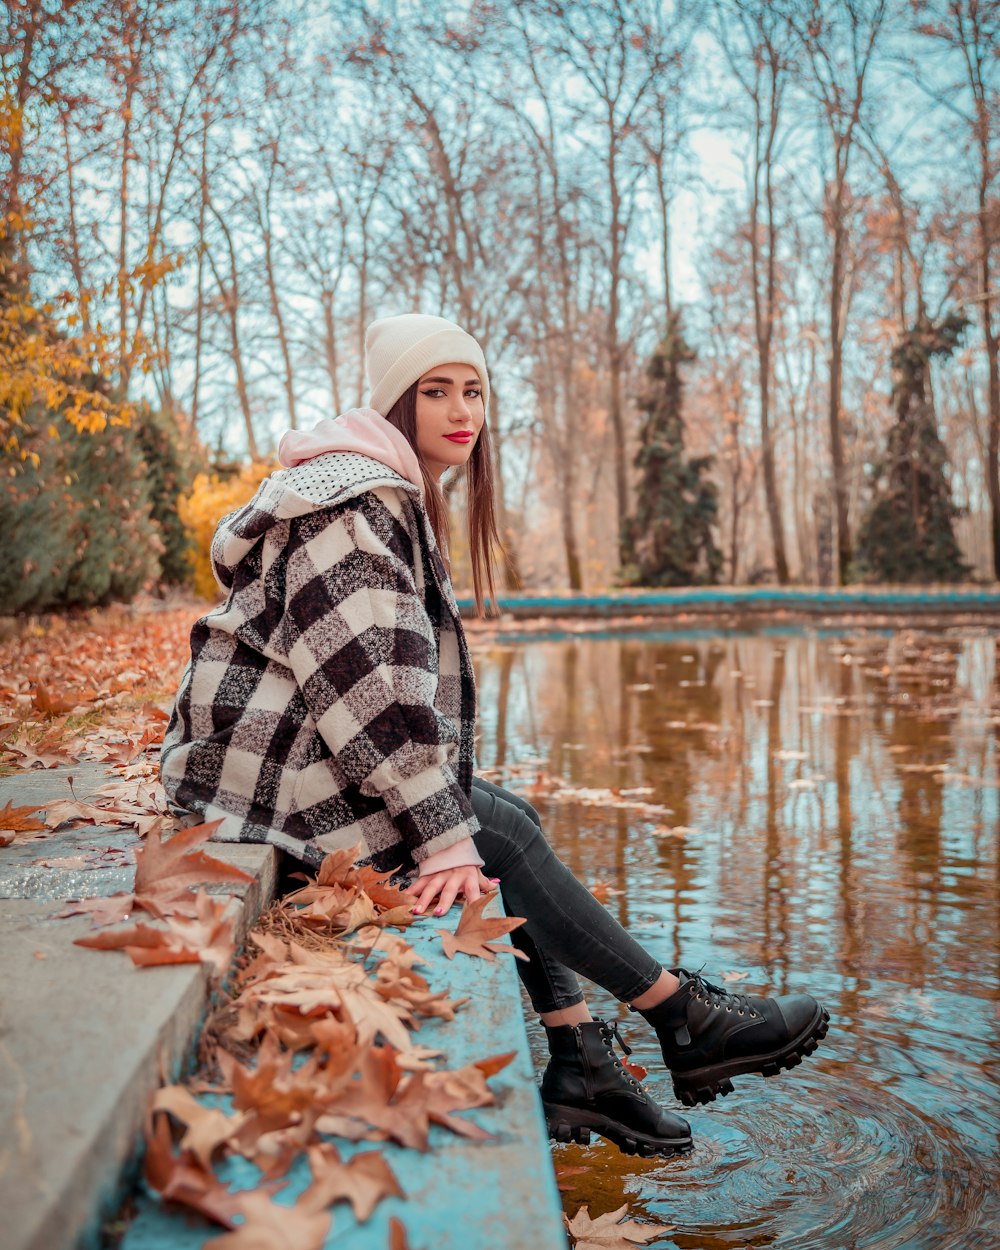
(483, 533)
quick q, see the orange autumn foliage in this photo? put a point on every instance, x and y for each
(210, 498)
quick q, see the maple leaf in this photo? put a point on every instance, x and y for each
(210, 930)
(388, 897)
(47, 754)
(268, 1226)
(321, 983)
(15, 820)
(102, 911)
(165, 868)
(146, 947)
(605, 1233)
(205, 938)
(474, 933)
(52, 705)
(207, 1127)
(178, 1178)
(363, 1182)
(495, 1063)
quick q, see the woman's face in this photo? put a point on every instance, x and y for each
(450, 415)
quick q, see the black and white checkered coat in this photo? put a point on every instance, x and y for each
(331, 700)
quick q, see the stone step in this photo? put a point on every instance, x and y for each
(86, 1037)
(460, 1195)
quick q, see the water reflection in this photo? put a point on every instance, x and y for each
(830, 823)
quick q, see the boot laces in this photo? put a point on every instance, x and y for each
(719, 998)
(611, 1034)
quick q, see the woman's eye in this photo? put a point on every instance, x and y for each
(434, 393)
(474, 392)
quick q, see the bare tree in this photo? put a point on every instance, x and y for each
(761, 65)
(969, 31)
(839, 39)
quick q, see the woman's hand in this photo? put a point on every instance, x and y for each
(466, 880)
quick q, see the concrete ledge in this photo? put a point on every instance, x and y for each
(461, 1195)
(741, 602)
(85, 1037)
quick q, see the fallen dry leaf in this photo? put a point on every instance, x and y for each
(205, 938)
(207, 1128)
(179, 1178)
(171, 867)
(146, 947)
(18, 820)
(397, 1235)
(268, 1226)
(363, 1182)
(102, 911)
(606, 1233)
(475, 934)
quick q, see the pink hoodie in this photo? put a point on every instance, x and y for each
(361, 430)
(367, 433)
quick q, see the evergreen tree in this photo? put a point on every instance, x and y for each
(669, 541)
(907, 533)
(76, 513)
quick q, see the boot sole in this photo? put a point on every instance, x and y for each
(704, 1085)
(570, 1124)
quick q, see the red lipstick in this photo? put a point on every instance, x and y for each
(463, 436)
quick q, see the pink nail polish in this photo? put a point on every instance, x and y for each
(439, 912)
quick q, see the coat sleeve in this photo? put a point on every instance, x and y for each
(363, 652)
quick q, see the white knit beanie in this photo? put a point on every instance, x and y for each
(399, 350)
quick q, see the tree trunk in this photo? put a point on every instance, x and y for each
(764, 309)
(75, 262)
(840, 484)
(614, 351)
(231, 300)
(275, 302)
(330, 348)
(993, 370)
(123, 191)
(199, 314)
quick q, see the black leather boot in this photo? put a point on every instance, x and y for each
(709, 1035)
(586, 1089)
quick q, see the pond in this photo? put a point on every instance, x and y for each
(788, 810)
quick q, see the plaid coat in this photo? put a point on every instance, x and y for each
(331, 699)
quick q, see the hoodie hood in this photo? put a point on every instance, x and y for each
(361, 430)
(373, 453)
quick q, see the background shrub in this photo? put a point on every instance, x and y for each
(210, 498)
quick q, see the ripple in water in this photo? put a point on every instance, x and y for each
(818, 831)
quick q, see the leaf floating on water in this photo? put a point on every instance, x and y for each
(734, 976)
(606, 1233)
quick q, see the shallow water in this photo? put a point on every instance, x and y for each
(832, 825)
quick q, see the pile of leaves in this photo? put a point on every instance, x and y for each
(313, 1038)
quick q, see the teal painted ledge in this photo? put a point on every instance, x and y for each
(462, 1194)
(736, 600)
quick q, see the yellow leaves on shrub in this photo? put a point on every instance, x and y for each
(210, 498)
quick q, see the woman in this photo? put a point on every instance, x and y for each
(331, 701)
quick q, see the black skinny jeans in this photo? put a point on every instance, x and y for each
(567, 928)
